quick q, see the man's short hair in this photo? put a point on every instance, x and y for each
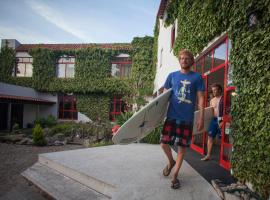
(186, 52)
(218, 86)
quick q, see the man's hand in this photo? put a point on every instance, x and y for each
(220, 125)
(200, 124)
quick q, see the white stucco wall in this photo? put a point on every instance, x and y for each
(46, 110)
(23, 54)
(29, 114)
(33, 111)
(166, 61)
(12, 43)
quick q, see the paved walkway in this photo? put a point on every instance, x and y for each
(125, 172)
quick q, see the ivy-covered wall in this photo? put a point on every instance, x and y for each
(7, 60)
(251, 109)
(95, 106)
(143, 68)
(44, 69)
(92, 84)
(201, 21)
(93, 63)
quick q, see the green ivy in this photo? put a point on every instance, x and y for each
(143, 69)
(200, 22)
(95, 106)
(44, 70)
(93, 63)
(92, 83)
(7, 62)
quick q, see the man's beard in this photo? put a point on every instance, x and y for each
(186, 67)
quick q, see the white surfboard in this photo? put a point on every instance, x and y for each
(143, 121)
(208, 115)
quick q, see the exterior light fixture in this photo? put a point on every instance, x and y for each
(253, 17)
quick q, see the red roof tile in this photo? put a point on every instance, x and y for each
(119, 46)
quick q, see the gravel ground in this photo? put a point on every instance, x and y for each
(14, 159)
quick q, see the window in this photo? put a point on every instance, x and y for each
(121, 66)
(229, 48)
(230, 66)
(220, 54)
(117, 106)
(24, 67)
(199, 66)
(66, 67)
(215, 57)
(161, 58)
(67, 107)
(207, 62)
(172, 36)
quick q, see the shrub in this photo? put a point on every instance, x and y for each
(71, 128)
(121, 119)
(15, 127)
(102, 143)
(38, 136)
(154, 136)
(66, 128)
(46, 122)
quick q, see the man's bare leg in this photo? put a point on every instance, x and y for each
(209, 146)
(180, 156)
(168, 152)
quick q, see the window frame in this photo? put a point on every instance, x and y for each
(72, 99)
(25, 63)
(173, 36)
(211, 49)
(121, 64)
(113, 110)
(65, 66)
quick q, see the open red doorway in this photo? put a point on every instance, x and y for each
(213, 64)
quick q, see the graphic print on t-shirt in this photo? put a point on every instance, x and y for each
(182, 93)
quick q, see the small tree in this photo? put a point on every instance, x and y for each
(38, 136)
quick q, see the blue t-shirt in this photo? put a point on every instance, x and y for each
(184, 94)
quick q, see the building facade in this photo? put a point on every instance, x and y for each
(214, 66)
(22, 105)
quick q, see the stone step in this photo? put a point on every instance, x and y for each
(58, 186)
(83, 178)
(118, 172)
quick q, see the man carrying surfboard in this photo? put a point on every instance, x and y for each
(187, 88)
(214, 128)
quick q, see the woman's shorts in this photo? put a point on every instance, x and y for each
(176, 132)
(214, 129)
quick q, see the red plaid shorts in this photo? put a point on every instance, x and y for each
(176, 132)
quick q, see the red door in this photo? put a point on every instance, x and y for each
(226, 138)
(199, 141)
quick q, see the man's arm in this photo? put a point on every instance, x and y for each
(200, 123)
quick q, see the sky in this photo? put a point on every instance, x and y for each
(77, 21)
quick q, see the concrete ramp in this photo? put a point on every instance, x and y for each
(118, 172)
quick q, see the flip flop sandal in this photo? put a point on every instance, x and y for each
(167, 170)
(205, 158)
(175, 184)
